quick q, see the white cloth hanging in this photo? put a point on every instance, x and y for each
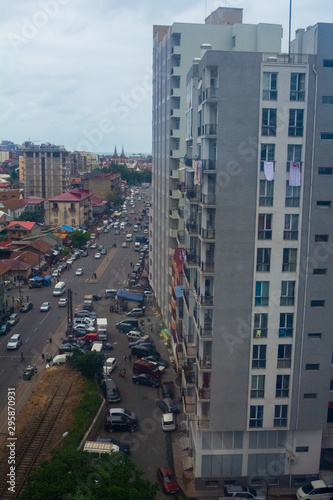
(294, 173)
(269, 170)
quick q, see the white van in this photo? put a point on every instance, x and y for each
(97, 346)
(137, 246)
(135, 228)
(122, 225)
(316, 490)
(129, 237)
(59, 289)
(116, 225)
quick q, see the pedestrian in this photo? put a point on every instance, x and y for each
(131, 264)
(22, 356)
(130, 358)
(43, 356)
(125, 358)
(27, 298)
(50, 340)
(124, 372)
(35, 369)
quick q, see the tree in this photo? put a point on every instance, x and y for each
(89, 363)
(32, 216)
(79, 238)
(113, 198)
(77, 475)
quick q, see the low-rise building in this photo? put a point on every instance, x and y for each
(73, 208)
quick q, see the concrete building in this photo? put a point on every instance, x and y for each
(73, 208)
(257, 348)
(255, 334)
(44, 170)
(173, 52)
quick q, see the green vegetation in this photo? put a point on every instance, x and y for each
(89, 363)
(132, 177)
(32, 216)
(79, 238)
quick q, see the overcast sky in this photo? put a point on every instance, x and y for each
(78, 72)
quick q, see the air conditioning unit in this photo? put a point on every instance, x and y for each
(292, 460)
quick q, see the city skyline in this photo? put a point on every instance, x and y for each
(74, 79)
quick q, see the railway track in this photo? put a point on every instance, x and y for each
(35, 445)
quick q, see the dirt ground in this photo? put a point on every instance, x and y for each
(39, 400)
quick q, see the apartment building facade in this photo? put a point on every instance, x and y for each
(256, 329)
(72, 208)
(174, 48)
(44, 170)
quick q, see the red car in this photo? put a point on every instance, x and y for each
(167, 478)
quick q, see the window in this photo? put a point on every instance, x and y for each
(265, 226)
(317, 303)
(268, 126)
(282, 386)
(325, 170)
(319, 271)
(55, 221)
(258, 386)
(328, 63)
(295, 128)
(314, 335)
(266, 193)
(267, 153)
(290, 227)
(263, 462)
(326, 136)
(280, 415)
(73, 221)
(310, 395)
(286, 325)
(302, 449)
(294, 154)
(327, 99)
(267, 439)
(260, 325)
(270, 86)
(222, 440)
(287, 293)
(259, 356)
(284, 356)
(221, 465)
(297, 86)
(321, 237)
(312, 366)
(263, 259)
(292, 195)
(256, 416)
(289, 260)
(324, 203)
(331, 385)
(262, 293)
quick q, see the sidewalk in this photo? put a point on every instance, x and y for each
(104, 265)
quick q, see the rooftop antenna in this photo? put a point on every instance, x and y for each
(289, 41)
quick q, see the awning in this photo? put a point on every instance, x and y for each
(83, 228)
(68, 228)
(179, 291)
(48, 277)
(37, 278)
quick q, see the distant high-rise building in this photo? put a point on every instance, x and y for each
(44, 170)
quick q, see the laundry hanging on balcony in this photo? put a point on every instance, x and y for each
(295, 173)
(269, 170)
(197, 172)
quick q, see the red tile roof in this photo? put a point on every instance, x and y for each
(76, 194)
(5, 244)
(25, 224)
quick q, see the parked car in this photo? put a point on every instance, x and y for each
(167, 405)
(134, 335)
(158, 361)
(79, 272)
(46, 306)
(13, 319)
(166, 477)
(119, 419)
(5, 328)
(126, 325)
(26, 306)
(83, 313)
(167, 390)
(103, 251)
(124, 448)
(84, 254)
(136, 311)
(97, 255)
(142, 351)
(145, 379)
(62, 302)
(168, 422)
(242, 492)
(14, 342)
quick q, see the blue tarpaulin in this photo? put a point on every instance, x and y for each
(48, 277)
(179, 291)
(37, 278)
(68, 228)
(125, 295)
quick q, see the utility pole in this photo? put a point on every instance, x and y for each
(69, 311)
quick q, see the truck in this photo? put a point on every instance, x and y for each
(142, 239)
(88, 302)
(102, 328)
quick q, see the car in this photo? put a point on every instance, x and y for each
(167, 390)
(167, 405)
(62, 302)
(5, 328)
(103, 251)
(110, 365)
(93, 246)
(131, 212)
(96, 297)
(167, 478)
(83, 313)
(46, 306)
(13, 319)
(160, 362)
(56, 273)
(116, 232)
(97, 255)
(242, 492)
(124, 244)
(148, 294)
(87, 328)
(168, 422)
(70, 261)
(14, 342)
(135, 335)
(79, 272)
(78, 331)
(100, 248)
(122, 412)
(136, 311)
(84, 254)
(66, 348)
(119, 419)
(126, 326)
(124, 448)
(145, 379)
(26, 306)
(142, 342)
(145, 231)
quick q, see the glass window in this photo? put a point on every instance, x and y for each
(297, 86)
(293, 194)
(282, 386)
(267, 153)
(258, 386)
(270, 86)
(294, 154)
(286, 325)
(287, 293)
(268, 126)
(290, 227)
(259, 356)
(289, 260)
(260, 325)
(256, 416)
(265, 226)
(221, 465)
(263, 462)
(284, 356)
(295, 128)
(263, 259)
(266, 190)
(280, 415)
(262, 293)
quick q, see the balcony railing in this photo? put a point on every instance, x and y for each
(206, 300)
(206, 332)
(208, 165)
(207, 267)
(192, 194)
(192, 259)
(203, 423)
(210, 129)
(208, 199)
(208, 234)
(192, 227)
(204, 393)
(181, 236)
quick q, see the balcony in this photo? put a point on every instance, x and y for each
(175, 92)
(204, 394)
(207, 267)
(192, 195)
(206, 301)
(189, 348)
(192, 228)
(173, 233)
(208, 165)
(181, 236)
(208, 199)
(210, 93)
(205, 362)
(176, 71)
(203, 423)
(174, 174)
(175, 194)
(209, 129)
(174, 214)
(192, 259)
(175, 112)
(188, 404)
(206, 332)
(208, 234)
